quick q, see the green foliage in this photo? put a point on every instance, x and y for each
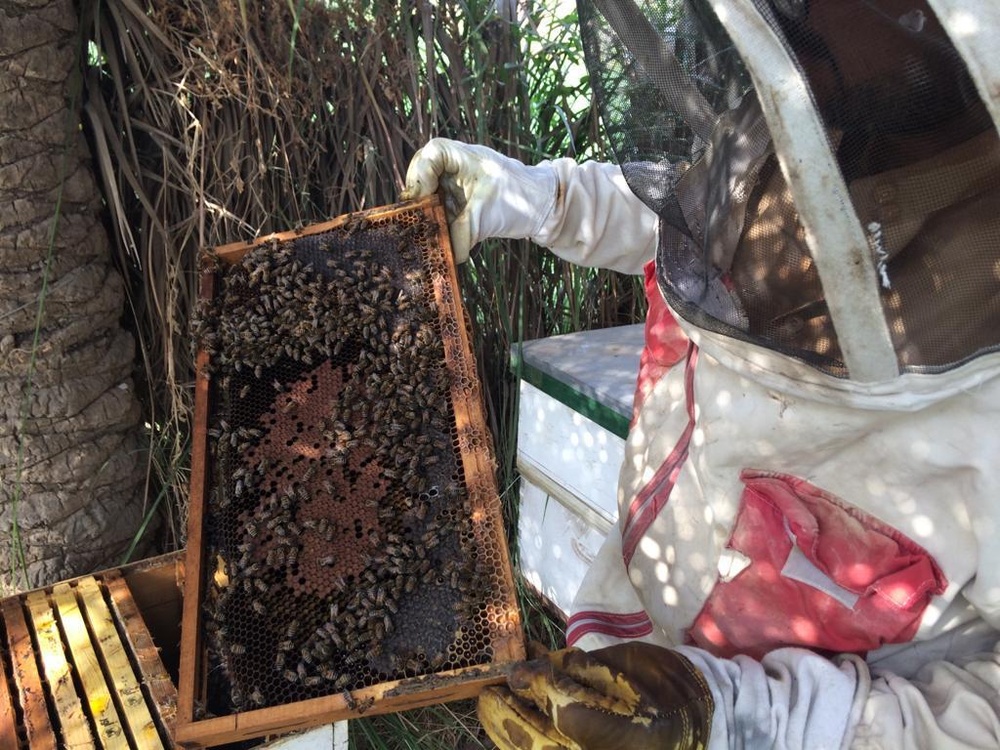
(452, 726)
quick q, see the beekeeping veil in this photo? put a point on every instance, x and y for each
(826, 171)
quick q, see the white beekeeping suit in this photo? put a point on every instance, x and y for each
(810, 500)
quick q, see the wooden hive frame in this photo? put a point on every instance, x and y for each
(478, 466)
(81, 669)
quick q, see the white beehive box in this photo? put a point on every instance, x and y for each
(575, 406)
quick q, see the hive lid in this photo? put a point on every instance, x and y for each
(592, 372)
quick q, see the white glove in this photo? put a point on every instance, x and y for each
(485, 194)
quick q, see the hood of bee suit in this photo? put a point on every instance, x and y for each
(838, 207)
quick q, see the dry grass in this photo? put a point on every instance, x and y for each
(216, 122)
(213, 122)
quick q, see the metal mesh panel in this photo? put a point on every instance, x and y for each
(912, 138)
(901, 113)
(347, 543)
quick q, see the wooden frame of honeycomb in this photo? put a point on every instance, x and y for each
(346, 552)
(79, 666)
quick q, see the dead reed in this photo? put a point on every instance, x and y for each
(212, 122)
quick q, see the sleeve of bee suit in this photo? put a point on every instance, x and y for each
(792, 698)
(597, 221)
(585, 213)
(795, 698)
(948, 703)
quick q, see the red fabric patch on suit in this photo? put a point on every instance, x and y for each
(649, 501)
(623, 626)
(818, 573)
(666, 343)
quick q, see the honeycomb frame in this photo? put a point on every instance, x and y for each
(486, 614)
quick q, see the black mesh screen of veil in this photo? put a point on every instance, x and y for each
(912, 138)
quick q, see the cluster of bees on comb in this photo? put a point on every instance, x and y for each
(340, 528)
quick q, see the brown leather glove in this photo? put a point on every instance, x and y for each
(632, 695)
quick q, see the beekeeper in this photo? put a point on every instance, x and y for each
(808, 551)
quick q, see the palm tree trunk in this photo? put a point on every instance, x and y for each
(71, 456)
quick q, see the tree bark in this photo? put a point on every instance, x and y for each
(71, 453)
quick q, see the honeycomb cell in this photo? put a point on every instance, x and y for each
(348, 543)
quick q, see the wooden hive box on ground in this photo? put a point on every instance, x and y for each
(80, 667)
(346, 551)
